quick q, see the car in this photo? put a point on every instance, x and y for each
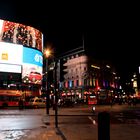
(37, 102)
(35, 76)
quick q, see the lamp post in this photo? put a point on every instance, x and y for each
(55, 92)
(47, 54)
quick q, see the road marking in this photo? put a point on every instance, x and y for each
(92, 120)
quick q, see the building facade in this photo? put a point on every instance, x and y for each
(82, 75)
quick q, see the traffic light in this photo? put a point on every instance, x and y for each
(63, 69)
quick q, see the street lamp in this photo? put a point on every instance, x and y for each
(47, 54)
(55, 92)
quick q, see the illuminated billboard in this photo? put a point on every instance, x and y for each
(20, 34)
(26, 61)
(11, 53)
(10, 68)
(32, 56)
(32, 66)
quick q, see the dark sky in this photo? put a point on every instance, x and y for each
(111, 32)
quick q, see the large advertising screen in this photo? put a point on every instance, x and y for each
(10, 68)
(20, 34)
(23, 60)
(32, 66)
(11, 53)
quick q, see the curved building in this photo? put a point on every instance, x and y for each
(21, 58)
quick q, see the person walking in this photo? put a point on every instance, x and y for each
(21, 104)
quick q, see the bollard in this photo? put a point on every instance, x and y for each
(104, 126)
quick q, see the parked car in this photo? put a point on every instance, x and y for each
(37, 103)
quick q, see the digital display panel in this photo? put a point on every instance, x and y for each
(32, 56)
(17, 33)
(26, 61)
(32, 66)
(11, 53)
(31, 74)
(10, 68)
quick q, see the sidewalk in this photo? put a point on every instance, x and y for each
(65, 132)
(73, 132)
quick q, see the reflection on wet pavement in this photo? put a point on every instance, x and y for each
(12, 134)
(126, 117)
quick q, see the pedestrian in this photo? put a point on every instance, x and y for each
(21, 104)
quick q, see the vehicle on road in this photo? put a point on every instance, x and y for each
(37, 102)
(9, 99)
(92, 99)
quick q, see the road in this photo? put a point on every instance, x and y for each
(14, 124)
(79, 121)
(124, 122)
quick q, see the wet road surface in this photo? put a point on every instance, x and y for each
(15, 124)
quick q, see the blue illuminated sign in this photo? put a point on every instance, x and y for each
(32, 56)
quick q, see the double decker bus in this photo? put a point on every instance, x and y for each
(92, 99)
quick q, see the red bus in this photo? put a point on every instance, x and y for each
(92, 99)
(9, 99)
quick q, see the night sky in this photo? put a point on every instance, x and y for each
(110, 32)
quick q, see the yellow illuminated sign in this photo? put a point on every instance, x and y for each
(4, 56)
(96, 67)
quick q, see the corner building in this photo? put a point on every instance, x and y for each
(21, 59)
(83, 75)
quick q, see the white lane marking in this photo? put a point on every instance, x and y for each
(92, 120)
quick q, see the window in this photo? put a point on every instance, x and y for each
(72, 83)
(85, 82)
(77, 82)
(85, 68)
